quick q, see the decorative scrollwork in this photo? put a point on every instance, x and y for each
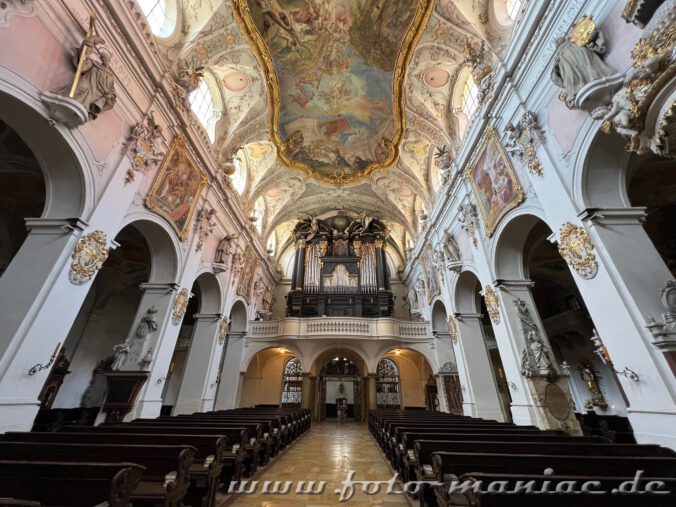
(577, 249)
(492, 304)
(88, 256)
(180, 306)
(453, 329)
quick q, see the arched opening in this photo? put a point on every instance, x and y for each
(388, 391)
(569, 326)
(202, 333)
(490, 392)
(22, 192)
(230, 382)
(417, 385)
(651, 184)
(292, 383)
(445, 327)
(340, 392)
(106, 316)
(265, 380)
(177, 366)
(105, 321)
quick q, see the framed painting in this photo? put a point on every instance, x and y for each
(494, 183)
(177, 187)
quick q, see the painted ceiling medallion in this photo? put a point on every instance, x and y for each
(436, 77)
(577, 249)
(236, 82)
(88, 256)
(335, 72)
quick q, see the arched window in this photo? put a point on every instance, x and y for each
(155, 12)
(292, 383)
(202, 104)
(513, 7)
(470, 97)
(239, 177)
(387, 385)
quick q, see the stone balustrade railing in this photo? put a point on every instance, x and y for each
(345, 327)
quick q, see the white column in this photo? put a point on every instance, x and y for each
(197, 390)
(508, 292)
(230, 386)
(441, 393)
(622, 298)
(481, 397)
(161, 296)
(38, 305)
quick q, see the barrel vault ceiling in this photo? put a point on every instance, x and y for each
(210, 37)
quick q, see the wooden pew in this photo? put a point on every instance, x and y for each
(233, 456)
(205, 472)
(450, 465)
(512, 481)
(408, 461)
(165, 480)
(251, 446)
(72, 484)
(425, 450)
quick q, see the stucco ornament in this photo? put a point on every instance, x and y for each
(88, 256)
(142, 147)
(180, 306)
(492, 304)
(453, 329)
(468, 219)
(205, 225)
(577, 249)
(523, 139)
(9, 8)
(223, 330)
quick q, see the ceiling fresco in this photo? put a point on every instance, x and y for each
(335, 71)
(338, 91)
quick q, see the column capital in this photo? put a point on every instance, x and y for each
(159, 288)
(55, 225)
(502, 284)
(467, 316)
(208, 316)
(614, 216)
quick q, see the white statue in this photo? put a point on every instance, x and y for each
(226, 248)
(129, 352)
(451, 250)
(576, 66)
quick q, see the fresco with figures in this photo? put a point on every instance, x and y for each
(494, 183)
(177, 187)
(334, 62)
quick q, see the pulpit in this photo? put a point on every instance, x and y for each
(123, 388)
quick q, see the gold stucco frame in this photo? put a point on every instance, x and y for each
(491, 136)
(179, 144)
(418, 25)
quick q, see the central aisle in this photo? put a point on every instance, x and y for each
(327, 453)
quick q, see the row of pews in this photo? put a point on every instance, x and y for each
(438, 448)
(170, 461)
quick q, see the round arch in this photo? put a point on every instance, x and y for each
(239, 318)
(282, 348)
(61, 158)
(210, 292)
(466, 290)
(507, 261)
(164, 248)
(439, 317)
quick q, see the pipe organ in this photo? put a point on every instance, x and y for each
(340, 268)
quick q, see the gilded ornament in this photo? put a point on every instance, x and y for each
(180, 306)
(453, 329)
(88, 256)
(141, 146)
(223, 328)
(390, 147)
(577, 249)
(583, 32)
(492, 304)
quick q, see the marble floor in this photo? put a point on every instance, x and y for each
(327, 453)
